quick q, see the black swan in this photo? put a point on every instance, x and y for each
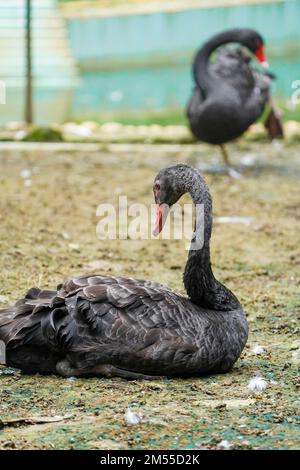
(116, 326)
(230, 94)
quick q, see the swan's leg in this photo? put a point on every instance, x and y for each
(231, 171)
(113, 371)
(225, 155)
(273, 123)
(65, 369)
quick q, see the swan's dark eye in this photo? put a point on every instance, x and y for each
(157, 186)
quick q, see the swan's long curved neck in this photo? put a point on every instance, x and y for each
(200, 67)
(199, 281)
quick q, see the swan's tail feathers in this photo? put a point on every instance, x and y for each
(16, 317)
(21, 331)
(273, 124)
(10, 321)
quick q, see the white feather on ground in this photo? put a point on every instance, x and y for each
(26, 173)
(234, 219)
(257, 384)
(258, 349)
(27, 183)
(225, 445)
(71, 379)
(234, 174)
(74, 246)
(131, 417)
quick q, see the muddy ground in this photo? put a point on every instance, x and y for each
(47, 232)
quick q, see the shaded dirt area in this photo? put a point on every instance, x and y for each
(47, 232)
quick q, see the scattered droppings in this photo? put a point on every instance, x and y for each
(66, 235)
(71, 379)
(257, 384)
(131, 417)
(225, 445)
(258, 349)
(26, 173)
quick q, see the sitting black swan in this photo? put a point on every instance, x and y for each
(116, 326)
(230, 94)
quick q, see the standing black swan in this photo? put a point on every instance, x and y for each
(230, 94)
(116, 326)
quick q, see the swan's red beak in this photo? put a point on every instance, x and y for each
(161, 215)
(260, 54)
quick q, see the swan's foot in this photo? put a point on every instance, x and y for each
(112, 371)
(234, 173)
(65, 369)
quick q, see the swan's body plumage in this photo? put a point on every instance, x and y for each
(131, 324)
(234, 66)
(105, 325)
(230, 93)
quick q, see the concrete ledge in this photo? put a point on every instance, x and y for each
(93, 147)
(86, 9)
